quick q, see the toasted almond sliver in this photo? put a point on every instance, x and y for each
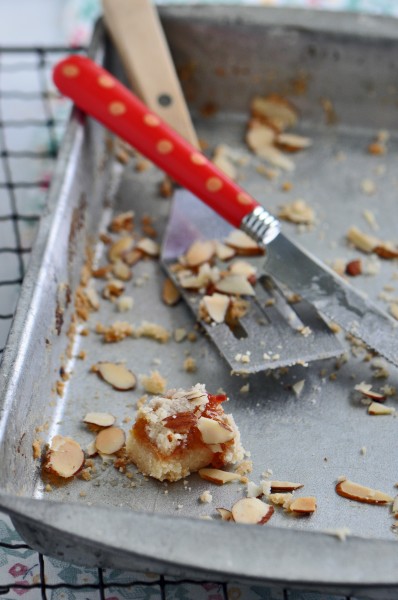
(171, 295)
(122, 222)
(213, 432)
(366, 390)
(293, 142)
(285, 486)
(224, 163)
(235, 284)
(360, 493)
(259, 136)
(304, 505)
(117, 375)
(240, 241)
(252, 511)
(65, 457)
(92, 297)
(110, 440)
(242, 267)
(120, 247)
(216, 306)
(224, 252)
(276, 158)
(218, 476)
(379, 409)
(149, 247)
(121, 270)
(200, 252)
(226, 515)
(276, 110)
(362, 241)
(394, 508)
(91, 450)
(100, 419)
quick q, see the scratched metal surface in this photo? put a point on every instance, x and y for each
(314, 438)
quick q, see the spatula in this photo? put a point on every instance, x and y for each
(137, 33)
(99, 94)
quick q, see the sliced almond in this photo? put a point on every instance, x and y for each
(216, 306)
(100, 419)
(394, 508)
(92, 297)
(362, 241)
(242, 267)
(64, 458)
(120, 247)
(275, 110)
(285, 486)
(200, 252)
(117, 375)
(298, 212)
(276, 158)
(386, 251)
(304, 505)
(218, 476)
(121, 270)
(113, 289)
(110, 440)
(213, 432)
(259, 136)
(91, 450)
(224, 163)
(366, 390)
(224, 252)
(292, 142)
(132, 257)
(122, 222)
(242, 243)
(171, 295)
(237, 285)
(360, 493)
(226, 515)
(379, 409)
(252, 511)
(149, 247)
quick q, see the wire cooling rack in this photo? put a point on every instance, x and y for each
(32, 121)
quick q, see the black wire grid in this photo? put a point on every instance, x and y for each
(32, 120)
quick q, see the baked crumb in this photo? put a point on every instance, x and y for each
(190, 365)
(153, 331)
(154, 383)
(36, 447)
(206, 497)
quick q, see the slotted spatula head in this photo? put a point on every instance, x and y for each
(274, 333)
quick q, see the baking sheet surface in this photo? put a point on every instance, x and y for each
(313, 439)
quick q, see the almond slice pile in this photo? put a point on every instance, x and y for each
(64, 457)
(266, 133)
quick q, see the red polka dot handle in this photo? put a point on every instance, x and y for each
(100, 95)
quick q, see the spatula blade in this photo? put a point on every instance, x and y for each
(267, 336)
(290, 264)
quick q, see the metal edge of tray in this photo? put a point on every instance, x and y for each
(104, 536)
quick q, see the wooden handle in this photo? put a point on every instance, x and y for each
(103, 97)
(138, 36)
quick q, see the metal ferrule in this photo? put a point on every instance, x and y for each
(261, 226)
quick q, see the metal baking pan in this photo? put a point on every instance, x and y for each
(225, 56)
